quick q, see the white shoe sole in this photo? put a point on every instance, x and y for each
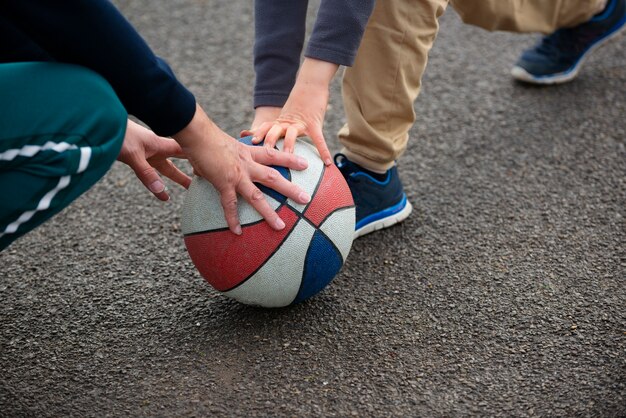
(385, 222)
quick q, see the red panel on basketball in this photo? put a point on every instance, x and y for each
(332, 194)
(213, 252)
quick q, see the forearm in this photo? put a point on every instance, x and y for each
(313, 80)
(316, 73)
(200, 128)
(280, 28)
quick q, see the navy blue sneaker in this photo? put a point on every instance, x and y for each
(379, 198)
(557, 58)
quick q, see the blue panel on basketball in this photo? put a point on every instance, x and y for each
(247, 140)
(282, 170)
(273, 193)
(323, 261)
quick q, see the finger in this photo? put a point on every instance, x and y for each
(169, 170)
(271, 156)
(290, 138)
(228, 198)
(257, 200)
(245, 132)
(166, 148)
(150, 178)
(320, 143)
(260, 133)
(274, 134)
(271, 178)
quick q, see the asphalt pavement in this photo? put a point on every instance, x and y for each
(504, 293)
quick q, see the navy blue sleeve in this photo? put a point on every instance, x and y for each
(338, 30)
(93, 34)
(16, 46)
(280, 32)
(279, 36)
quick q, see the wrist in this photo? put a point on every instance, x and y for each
(270, 111)
(201, 127)
(316, 73)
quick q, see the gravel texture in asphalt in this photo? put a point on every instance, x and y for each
(504, 293)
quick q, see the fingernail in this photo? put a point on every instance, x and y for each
(255, 139)
(238, 230)
(304, 197)
(327, 161)
(279, 224)
(303, 162)
(157, 187)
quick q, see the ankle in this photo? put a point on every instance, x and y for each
(380, 168)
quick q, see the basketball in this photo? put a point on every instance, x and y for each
(262, 266)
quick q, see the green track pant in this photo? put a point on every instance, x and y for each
(61, 129)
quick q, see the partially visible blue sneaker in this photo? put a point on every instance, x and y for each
(379, 198)
(557, 58)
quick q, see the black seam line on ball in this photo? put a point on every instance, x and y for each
(308, 251)
(278, 247)
(243, 226)
(317, 228)
(336, 210)
(317, 186)
(306, 258)
(300, 217)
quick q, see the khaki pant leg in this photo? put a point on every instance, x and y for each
(381, 86)
(543, 16)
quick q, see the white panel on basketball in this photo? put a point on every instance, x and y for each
(265, 287)
(306, 179)
(202, 210)
(335, 228)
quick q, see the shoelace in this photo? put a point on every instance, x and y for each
(556, 44)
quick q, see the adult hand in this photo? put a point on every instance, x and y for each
(304, 111)
(147, 154)
(233, 168)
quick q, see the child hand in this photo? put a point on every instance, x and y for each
(304, 112)
(264, 117)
